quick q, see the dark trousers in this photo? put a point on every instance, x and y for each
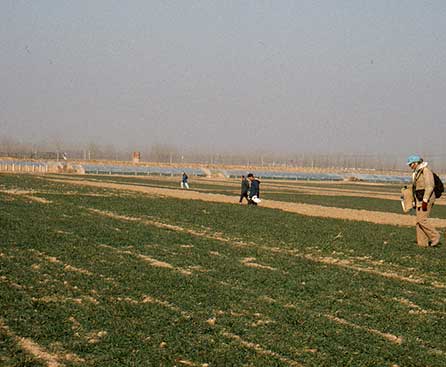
(244, 195)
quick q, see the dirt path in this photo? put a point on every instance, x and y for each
(299, 208)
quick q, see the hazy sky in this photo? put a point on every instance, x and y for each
(288, 76)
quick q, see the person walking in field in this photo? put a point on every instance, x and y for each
(423, 184)
(254, 190)
(244, 190)
(184, 183)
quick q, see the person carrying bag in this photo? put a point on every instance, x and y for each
(423, 185)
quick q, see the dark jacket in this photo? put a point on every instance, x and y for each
(255, 188)
(245, 186)
(184, 178)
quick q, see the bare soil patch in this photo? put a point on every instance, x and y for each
(28, 195)
(249, 262)
(389, 337)
(55, 260)
(260, 350)
(152, 300)
(34, 349)
(150, 260)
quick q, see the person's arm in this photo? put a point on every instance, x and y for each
(429, 184)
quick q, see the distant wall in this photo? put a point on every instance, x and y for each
(17, 166)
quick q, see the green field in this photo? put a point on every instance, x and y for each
(287, 192)
(101, 277)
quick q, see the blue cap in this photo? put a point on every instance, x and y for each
(414, 158)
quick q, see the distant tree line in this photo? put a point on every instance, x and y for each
(165, 153)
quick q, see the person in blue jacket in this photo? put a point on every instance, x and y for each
(184, 183)
(254, 190)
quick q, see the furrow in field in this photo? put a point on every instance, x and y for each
(387, 336)
(186, 362)
(68, 267)
(371, 267)
(345, 263)
(62, 299)
(145, 299)
(261, 321)
(390, 337)
(249, 262)
(47, 279)
(158, 224)
(259, 349)
(350, 264)
(148, 299)
(415, 309)
(150, 260)
(28, 195)
(37, 351)
(394, 339)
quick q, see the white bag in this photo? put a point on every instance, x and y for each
(407, 199)
(256, 199)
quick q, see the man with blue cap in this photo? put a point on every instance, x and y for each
(423, 184)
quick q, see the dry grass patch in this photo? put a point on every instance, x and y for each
(186, 362)
(66, 267)
(150, 260)
(249, 262)
(260, 350)
(145, 299)
(37, 351)
(61, 299)
(28, 195)
(387, 336)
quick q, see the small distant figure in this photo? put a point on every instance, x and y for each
(423, 185)
(244, 189)
(64, 163)
(254, 190)
(184, 179)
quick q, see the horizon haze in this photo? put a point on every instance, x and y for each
(276, 77)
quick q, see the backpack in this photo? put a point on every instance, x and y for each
(439, 187)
